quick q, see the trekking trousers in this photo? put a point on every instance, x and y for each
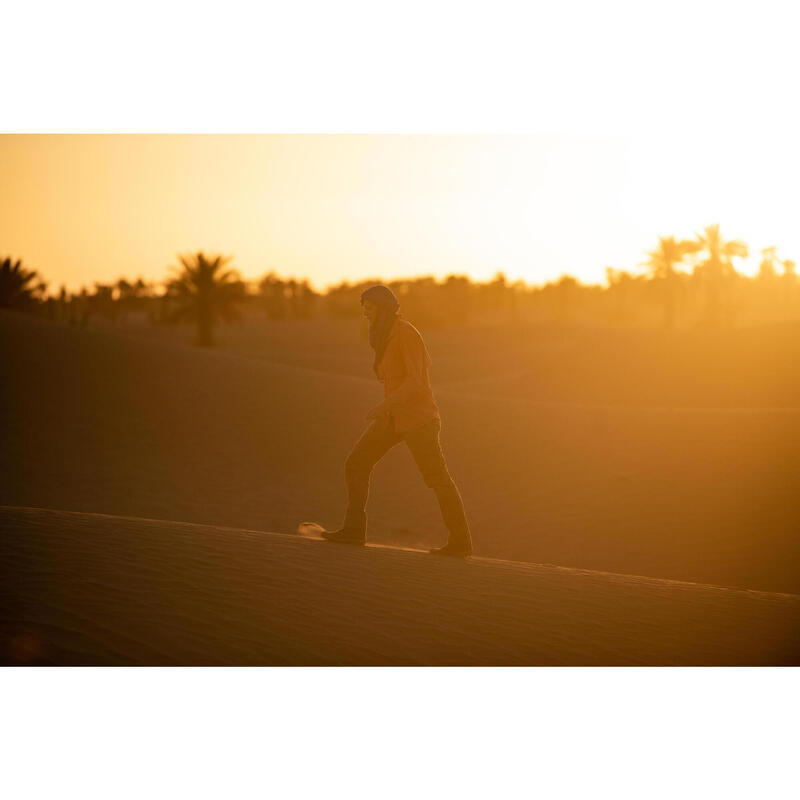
(423, 442)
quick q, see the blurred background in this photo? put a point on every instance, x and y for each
(614, 348)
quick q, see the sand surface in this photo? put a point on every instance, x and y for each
(93, 589)
(674, 456)
(594, 452)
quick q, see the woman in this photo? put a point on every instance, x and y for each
(408, 413)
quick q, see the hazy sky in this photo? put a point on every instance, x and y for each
(88, 208)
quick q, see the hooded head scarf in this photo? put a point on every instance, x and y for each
(388, 306)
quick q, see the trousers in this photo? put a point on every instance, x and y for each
(426, 450)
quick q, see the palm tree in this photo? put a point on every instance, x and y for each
(621, 292)
(17, 287)
(718, 268)
(103, 302)
(205, 291)
(662, 262)
(273, 295)
(131, 296)
(767, 268)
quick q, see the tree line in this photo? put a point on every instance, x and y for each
(680, 283)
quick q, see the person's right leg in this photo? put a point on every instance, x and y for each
(425, 447)
(373, 445)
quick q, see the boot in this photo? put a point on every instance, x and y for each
(459, 542)
(455, 549)
(346, 536)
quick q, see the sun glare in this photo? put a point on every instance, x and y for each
(330, 208)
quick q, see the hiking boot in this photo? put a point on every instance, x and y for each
(345, 536)
(453, 549)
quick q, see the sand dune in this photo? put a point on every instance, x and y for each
(121, 423)
(92, 589)
(748, 367)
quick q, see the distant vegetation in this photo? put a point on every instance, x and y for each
(202, 292)
(20, 288)
(680, 284)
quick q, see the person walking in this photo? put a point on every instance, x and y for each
(408, 413)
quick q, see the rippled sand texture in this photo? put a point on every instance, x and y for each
(92, 589)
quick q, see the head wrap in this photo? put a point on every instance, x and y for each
(388, 306)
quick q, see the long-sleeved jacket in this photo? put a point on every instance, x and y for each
(403, 369)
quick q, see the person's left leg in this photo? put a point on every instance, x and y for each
(374, 443)
(423, 442)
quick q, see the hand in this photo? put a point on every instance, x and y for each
(377, 412)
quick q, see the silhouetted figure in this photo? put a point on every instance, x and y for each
(408, 413)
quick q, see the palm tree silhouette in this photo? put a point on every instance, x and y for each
(273, 295)
(767, 270)
(17, 288)
(132, 296)
(662, 262)
(718, 267)
(205, 291)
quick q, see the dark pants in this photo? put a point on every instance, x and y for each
(423, 442)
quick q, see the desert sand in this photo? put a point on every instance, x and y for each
(96, 589)
(671, 456)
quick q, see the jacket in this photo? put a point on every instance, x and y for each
(403, 368)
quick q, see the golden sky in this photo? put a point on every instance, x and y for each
(85, 208)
